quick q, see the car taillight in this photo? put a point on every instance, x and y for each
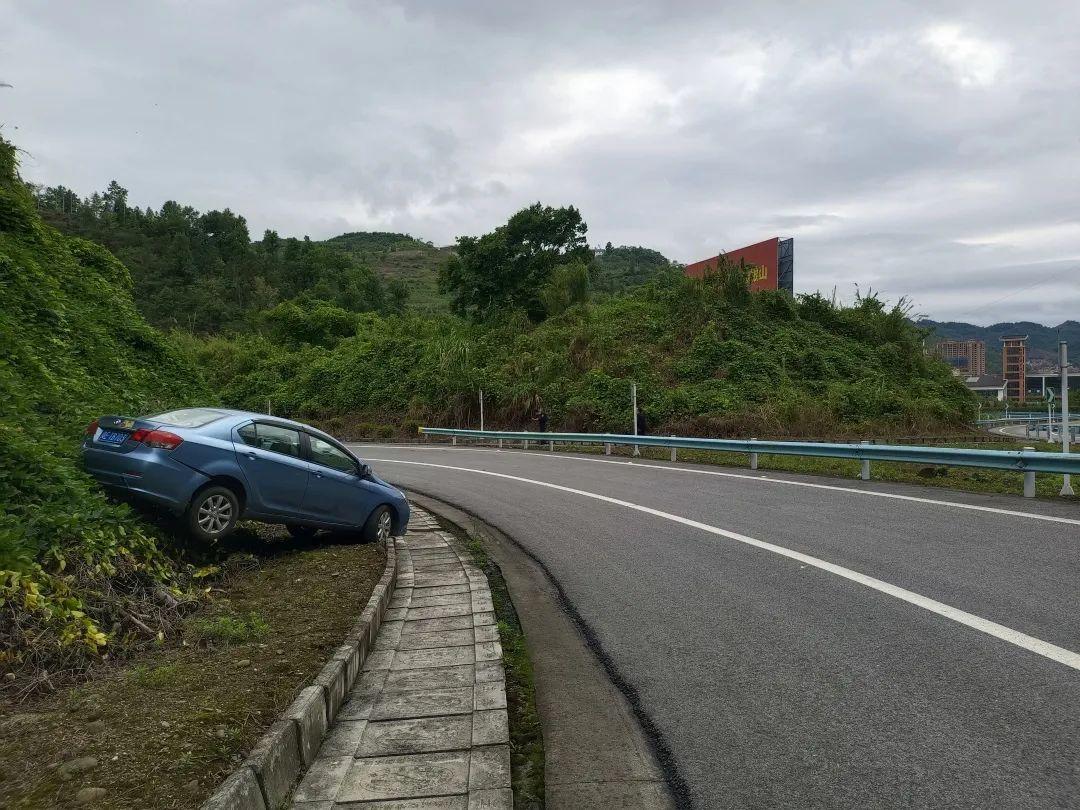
(91, 429)
(161, 439)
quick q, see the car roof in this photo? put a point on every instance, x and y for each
(242, 416)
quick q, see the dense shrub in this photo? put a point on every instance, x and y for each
(707, 356)
(74, 567)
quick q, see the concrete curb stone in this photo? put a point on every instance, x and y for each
(332, 680)
(308, 712)
(240, 791)
(275, 759)
(265, 779)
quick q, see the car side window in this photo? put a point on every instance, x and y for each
(272, 438)
(324, 453)
(249, 435)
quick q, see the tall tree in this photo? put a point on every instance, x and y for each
(511, 266)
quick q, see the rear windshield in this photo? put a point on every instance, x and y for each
(188, 417)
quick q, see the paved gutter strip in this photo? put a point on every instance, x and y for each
(265, 779)
(425, 724)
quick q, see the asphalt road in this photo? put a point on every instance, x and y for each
(807, 646)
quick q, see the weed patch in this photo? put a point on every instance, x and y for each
(229, 628)
(526, 732)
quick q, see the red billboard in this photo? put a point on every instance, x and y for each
(771, 264)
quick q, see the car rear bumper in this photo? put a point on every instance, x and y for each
(146, 473)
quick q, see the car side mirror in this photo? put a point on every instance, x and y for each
(363, 470)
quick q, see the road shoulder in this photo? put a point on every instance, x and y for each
(597, 754)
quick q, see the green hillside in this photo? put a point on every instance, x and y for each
(73, 566)
(400, 256)
(202, 272)
(708, 356)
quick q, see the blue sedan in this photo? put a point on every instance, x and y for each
(213, 466)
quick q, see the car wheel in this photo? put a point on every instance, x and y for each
(213, 514)
(379, 526)
(300, 532)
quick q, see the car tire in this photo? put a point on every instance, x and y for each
(213, 514)
(379, 526)
(301, 532)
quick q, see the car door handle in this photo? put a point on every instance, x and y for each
(252, 456)
(317, 474)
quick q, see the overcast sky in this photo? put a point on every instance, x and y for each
(923, 149)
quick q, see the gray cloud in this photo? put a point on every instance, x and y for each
(927, 150)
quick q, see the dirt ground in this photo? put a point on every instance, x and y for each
(163, 729)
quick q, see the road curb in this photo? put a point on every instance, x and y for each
(289, 746)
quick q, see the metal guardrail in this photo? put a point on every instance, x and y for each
(1052, 430)
(1041, 414)
(1027, 462)
(1012, 420)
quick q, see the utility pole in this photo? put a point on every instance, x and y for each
(268, 412)
(1063, 352)
(633, 405)
(481, 409)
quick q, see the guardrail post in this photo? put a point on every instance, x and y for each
(1027, 430)
(674, 453)
(551, 445)
(607, 448)
(500, 444)
(453, 440)
(1029, 480)
(524, 444)
(753, 457)
(865, 472)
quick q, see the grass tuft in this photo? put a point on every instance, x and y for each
(229, 628)
(153, 677)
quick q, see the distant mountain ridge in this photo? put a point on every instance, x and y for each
(1042, 340)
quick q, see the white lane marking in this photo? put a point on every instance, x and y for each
(831, 487)
(1030, 643)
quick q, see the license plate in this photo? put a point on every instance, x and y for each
(112, 436)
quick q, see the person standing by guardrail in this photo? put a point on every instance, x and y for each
(642, 424)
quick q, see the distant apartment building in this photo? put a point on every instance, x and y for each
(1014, 365)
(968, 357)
